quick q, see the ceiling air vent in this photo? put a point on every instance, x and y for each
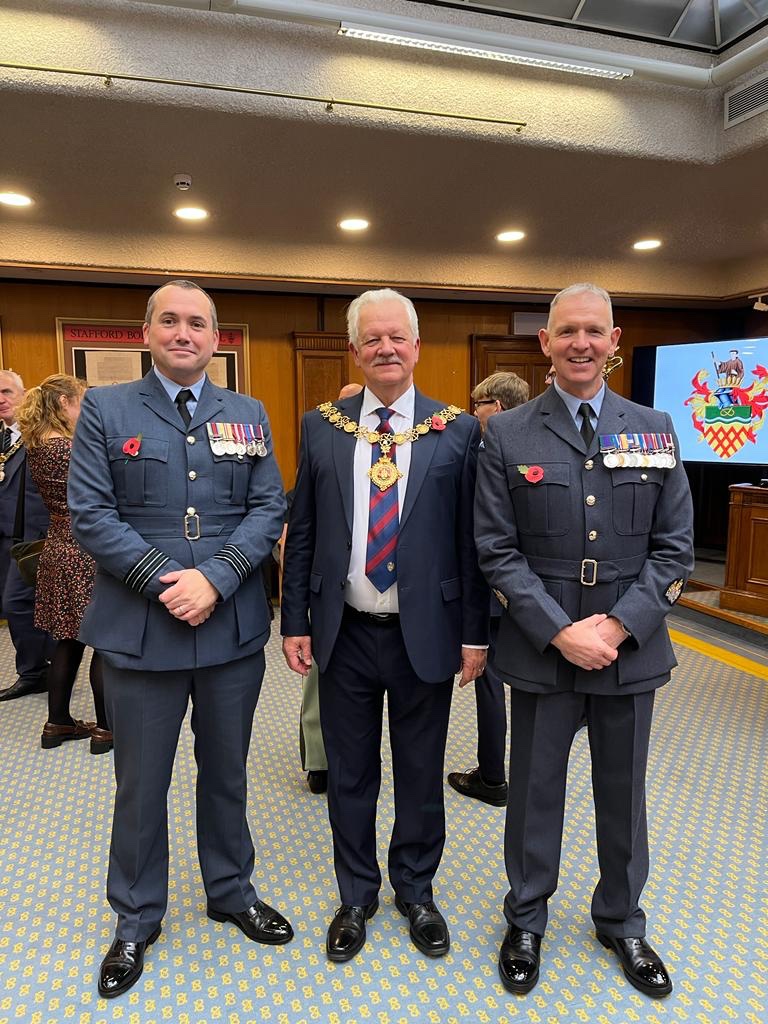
(746, 101)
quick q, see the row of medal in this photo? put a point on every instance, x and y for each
(236, 439)
(632, 451)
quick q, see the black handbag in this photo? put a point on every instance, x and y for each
(25, 553)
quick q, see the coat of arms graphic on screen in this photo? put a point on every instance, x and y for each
(728, 415)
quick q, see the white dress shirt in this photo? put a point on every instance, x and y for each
(361, 593)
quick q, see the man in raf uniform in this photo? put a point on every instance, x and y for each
(584, 529)
(175, 492)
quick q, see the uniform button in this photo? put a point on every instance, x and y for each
(592, 535)
(589, 464)
(192, 475)
(591, 499)
(342, 584)
(190, 511)
(190, 439)
(643, 476)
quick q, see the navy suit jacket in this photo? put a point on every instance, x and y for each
(129, 513)
(634, 523)
(35, 512)
(442, 596)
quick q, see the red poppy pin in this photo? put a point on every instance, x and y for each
(533, 474)
(132, 445)
(438, 423)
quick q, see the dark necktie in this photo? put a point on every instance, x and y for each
(182, 398)
(5, 440)
(383, 521)
(587, 431)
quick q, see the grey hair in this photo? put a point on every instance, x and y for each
(14, 377)
(578, 289)
(379, 295)
(182, 283)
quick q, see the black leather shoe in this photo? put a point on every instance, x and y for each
(519, 958)
(259, 923)
(472, 784)
(317, 781)
(642, 966)
(429, 932)
(22, 687)
(346, 933)
(123, 965)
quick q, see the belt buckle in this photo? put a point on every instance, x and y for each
(194, 520)
(589, 565)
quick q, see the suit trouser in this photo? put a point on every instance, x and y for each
(490, 697)
(34, 647)
(367, 662)
(311, 746)
(146, 710)
(542, 727)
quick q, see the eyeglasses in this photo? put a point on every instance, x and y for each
(485, 401)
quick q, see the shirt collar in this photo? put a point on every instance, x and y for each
(403, 406)
(572, 402)
(172, 388)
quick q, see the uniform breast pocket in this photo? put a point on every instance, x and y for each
(541, 508)
(231, 476)
(140, 479)
(635, 494)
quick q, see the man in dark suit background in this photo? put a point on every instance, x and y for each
(381, 585)
(175, 492)
(584, 529)
(488, 781)
(32, 646)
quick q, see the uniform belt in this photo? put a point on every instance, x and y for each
(372, 618)
(588, 571)
(192, 527)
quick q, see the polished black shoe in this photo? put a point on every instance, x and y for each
(259, 923)
(22, 687)
(642, 966)
(429, 932)
(123, 965)
(346, 932)
(317, 781)
(519, 958)
(472, 784)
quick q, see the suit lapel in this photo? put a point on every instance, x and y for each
(612, 416)
(209, 407)
(422, 453)
(156, 398)
(343, 451)
(557, 419)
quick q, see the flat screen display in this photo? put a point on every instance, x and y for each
(717, 395)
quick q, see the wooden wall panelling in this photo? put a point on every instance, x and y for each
(322, 369)
(510, 354)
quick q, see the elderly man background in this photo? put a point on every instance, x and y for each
(33, 647)
(584, 529)
(175, 493)
(382, 586)
(488, 781)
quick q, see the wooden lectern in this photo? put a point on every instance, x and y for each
(746, 563)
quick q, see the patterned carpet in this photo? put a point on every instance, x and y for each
(706, 897)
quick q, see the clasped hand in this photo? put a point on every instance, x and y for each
(297, 651)
(590, 643)
(190, 597)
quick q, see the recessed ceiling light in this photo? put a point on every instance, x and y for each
(353, 224)
(647, 243)
(510, 236)
(191, 213)
(14, 199)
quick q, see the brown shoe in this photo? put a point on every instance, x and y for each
(101, 740)
(55, 735)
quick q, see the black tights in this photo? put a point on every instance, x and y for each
(62, 673)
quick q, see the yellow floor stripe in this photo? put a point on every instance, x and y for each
(736, 661)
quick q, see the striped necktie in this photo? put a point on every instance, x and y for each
(383, 521)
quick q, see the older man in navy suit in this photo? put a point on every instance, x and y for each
(33, 647)
(381, 585)
(584, 527)
(175, 492)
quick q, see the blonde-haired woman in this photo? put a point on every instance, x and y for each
(47, 419)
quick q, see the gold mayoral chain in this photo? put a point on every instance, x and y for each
(384, 472)
(4, 458)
